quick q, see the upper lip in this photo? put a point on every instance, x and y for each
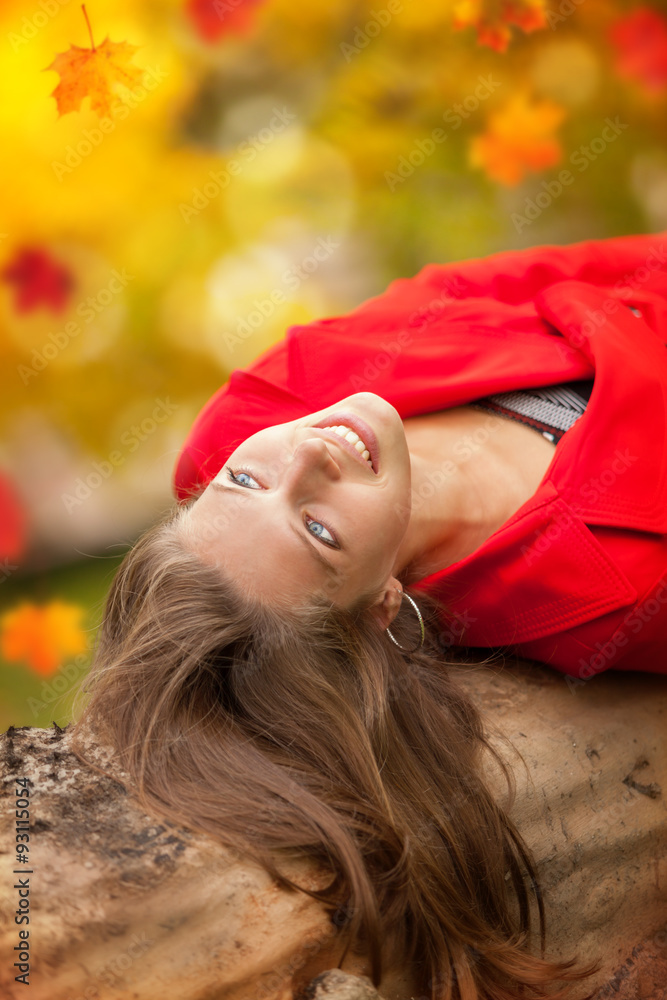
(344, 444)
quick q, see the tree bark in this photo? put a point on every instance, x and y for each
(123, 905)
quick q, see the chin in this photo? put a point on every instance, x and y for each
(369, 397)
(373, 403)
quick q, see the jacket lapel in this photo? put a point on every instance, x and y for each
(544, 571)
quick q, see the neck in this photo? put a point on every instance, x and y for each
(453, 508)
(444, 521)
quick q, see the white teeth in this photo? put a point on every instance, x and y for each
(346, 432)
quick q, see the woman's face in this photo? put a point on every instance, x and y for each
(297, 510)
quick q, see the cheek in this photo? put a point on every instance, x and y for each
(382, 521)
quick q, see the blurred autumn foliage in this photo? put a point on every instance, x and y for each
(42, 636)
(174, 170)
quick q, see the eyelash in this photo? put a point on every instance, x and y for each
(231, 475)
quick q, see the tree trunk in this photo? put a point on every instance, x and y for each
(121, 905)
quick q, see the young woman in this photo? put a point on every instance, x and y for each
(490, 435)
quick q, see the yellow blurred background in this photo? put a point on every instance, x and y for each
(210, 172)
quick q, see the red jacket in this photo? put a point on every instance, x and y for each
(577, 577)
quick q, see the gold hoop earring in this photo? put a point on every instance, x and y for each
(421, 626)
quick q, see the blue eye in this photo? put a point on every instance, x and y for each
(322, 531)
(236, 478)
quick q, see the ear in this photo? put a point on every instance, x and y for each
(388, 603)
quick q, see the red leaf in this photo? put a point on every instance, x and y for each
(492, 19)
(12, 525)
(215, 18)
(39, 279)
(640, 40)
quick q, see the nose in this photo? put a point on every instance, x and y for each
(311, 462)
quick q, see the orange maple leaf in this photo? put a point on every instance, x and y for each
(100, 73)
(518, 138)
(42, 636)
(492, 19)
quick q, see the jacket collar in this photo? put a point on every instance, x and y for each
(611, 466)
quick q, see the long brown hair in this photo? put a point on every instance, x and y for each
(311, 732)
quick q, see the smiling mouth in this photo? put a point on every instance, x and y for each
(339, 424)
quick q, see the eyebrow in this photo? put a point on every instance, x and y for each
(312, 547)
